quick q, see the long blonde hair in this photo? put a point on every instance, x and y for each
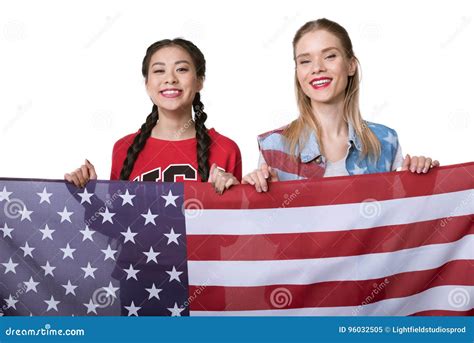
(297, 132)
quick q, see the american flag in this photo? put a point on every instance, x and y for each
(381, 244)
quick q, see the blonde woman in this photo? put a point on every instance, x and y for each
(329, 138)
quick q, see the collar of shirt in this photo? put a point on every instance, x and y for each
(311, 149)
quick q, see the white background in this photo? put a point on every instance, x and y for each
(71, 84)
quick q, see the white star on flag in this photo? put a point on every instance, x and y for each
(25, 214)
(151, 255)
(87, 234)
(131, 273)
(44, 196)
(85, 196)
(11, 302)
(10, 266)
(175, 310)
(6, 231)
(31, 285)
(109, 253)
(170, 199)
(48, 269)
(68, 252)
(149, 217)
(129, 236)
(65, 215)
(154, 292)
(52, 304)
(127, 198)
(132, 309)
(172, 237)
(110, 289)
(174, 274)
(89, 271)
(27, 250)
(107, 216)
(4, 195)
(70, 288)
(91, 307)
(47, 232)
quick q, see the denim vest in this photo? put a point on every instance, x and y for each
(310, 163)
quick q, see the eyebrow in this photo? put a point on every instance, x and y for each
(323, 51)
(177, 62)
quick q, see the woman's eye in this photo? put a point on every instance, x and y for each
(158, 71)
(304, 61)
(330, 57)
(182, 69)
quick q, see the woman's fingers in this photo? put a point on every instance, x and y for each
(273, 174)
(91, 168)
(75, 179)
(427, 165)
(262, 181)
(406, 162)
(82, 180)
(419, 164)
(247, 179)
(230, 182)
(413, 163)
(85, 175)
(212, 174)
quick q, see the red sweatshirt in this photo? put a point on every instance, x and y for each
(172, 161)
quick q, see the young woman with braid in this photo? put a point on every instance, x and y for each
(171, 145)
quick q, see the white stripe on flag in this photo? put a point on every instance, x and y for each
(331, 217)
(346, 268)
(449, 298)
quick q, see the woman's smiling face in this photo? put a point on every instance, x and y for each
(172, 81)
(322, 67)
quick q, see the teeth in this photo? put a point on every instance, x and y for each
(170, 92)
(320, 82)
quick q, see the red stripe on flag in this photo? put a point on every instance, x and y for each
(328, 244)
(330, 294)
(334, 190)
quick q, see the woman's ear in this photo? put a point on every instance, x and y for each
(352, 66)
(200, 84)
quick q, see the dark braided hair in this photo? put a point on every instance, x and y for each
(202, 136)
